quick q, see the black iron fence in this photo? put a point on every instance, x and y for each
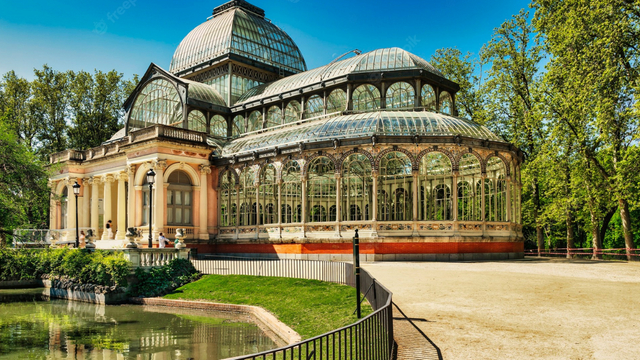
(370, 338)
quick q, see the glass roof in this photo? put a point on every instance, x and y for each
(204, 92)
(241, 32)
(404, 123)
(378, 60)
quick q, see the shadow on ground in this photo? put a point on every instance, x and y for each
(413, 343)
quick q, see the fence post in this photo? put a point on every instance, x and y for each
(356, 265)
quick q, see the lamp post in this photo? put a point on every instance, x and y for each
(76, 192)
(356, 265)
(151, 177)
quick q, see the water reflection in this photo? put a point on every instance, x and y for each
(62, 329)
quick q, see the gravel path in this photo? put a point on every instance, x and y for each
(521, 309)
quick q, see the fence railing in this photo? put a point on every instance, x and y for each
(564, 252)
(370, 338)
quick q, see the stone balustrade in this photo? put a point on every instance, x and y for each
(148, 258)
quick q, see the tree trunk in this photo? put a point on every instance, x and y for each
(540, 237)
(595, 234)
(626, 228)
(570, 235)
(3, 239)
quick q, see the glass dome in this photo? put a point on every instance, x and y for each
(240, 28)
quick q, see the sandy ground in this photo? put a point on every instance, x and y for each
(521, 309)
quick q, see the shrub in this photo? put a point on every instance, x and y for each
(159, 281)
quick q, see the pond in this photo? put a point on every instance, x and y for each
(32, 327)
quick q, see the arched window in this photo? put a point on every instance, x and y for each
(238, 126)
(428, 97)
(435, 183)
(157, 103)
(366, 97)
(291, 192)
(446, 104)
(197, 121)
(383, 206)
(395, 182)
(254, 122)
(292, 112)
(400, 95)
(496, 182)
(336, 101)
(321, 188)
(314, 107)
(274, 116)
(469, 197)
(247, 195)
(228, 197)
(179, 197)
(218, 126)
(357, 187)
(268, 194)
(64, 207)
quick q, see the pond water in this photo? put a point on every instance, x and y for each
(32, 327)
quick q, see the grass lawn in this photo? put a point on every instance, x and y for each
(310, 307)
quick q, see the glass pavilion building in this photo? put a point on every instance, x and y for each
(255, 154)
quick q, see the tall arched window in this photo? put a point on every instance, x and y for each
(197, 121)
(291, 192)
(366, 97)
(357, 188)
(157, 103)
(238, 126)
(274, 116)
(435, 184)
(496, 182)
(218, 126)
(395, 181)
(254, 122)
(268, 195)
(314, 107)
(446, 104)
(179, 198)
(469, 197)
(428, 97)
(321, 188)
(400, 95)
(228, 197)
(336, 101)
(247, 194)
(292, 112)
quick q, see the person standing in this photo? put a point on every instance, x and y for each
(162, 241)
(109, 230)
(82, 239)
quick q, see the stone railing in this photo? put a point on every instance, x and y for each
(148, 258)
(113, 148)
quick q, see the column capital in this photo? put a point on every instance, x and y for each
(108, 178)
(95, 180)
(205, 169)
(86, 181)
(131, 169)
(123, 176)
(159, 165)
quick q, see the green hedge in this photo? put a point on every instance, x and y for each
(159, 281)
(98, 268)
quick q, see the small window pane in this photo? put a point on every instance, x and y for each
(170, 215)
(187, 198)
(178, 215)
(187, 216)
(178, 198)
(169, 197)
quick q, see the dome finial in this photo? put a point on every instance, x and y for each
(238, 4)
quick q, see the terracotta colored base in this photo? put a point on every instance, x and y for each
(365, 248)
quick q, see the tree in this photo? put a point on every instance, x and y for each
(595, 48)
(16, 105)
(50, 101)
(514, 102)
(24, 194)
(463, 69)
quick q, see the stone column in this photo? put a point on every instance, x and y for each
(133, 203)
(508, 199)
(237, 210)
(159, 200)
(95, 200)
(71, 208)
(122, 207)
(205, 170)
(349, 97)
(258, 217)
(482, 204)
(454, 190)
(415, 202)
(279, 187)
(374, 214)
(86, 204)
(106, 202)
(304, 205)
(418, 98)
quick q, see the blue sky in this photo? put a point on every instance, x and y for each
(127, 35)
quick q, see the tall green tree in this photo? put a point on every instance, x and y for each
(514, 102)
(16, 105)
(24, 194)
(466, 71)
(595, 48)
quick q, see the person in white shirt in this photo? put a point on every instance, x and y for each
(162, 241)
